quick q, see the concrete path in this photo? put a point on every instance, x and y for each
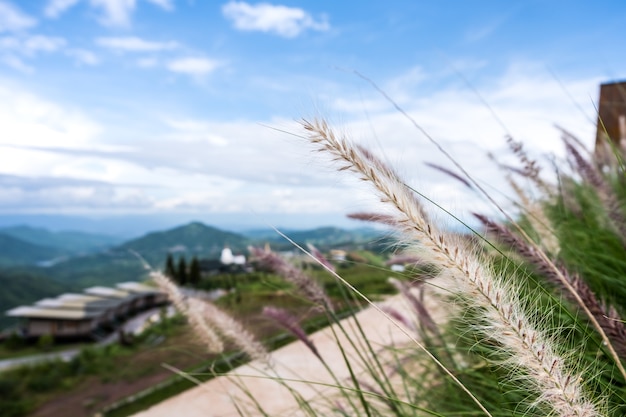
(266, 385)
(64, 355)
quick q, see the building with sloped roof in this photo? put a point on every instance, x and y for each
(83, 315)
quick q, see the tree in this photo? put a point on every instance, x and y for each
(182, 271)
(170, 270)
(194, 272)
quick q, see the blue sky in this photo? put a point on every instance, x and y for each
(176, 106)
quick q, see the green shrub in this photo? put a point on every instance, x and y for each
(45, 341)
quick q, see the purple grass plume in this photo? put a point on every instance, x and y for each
(608, 319)
(290, 323)
(304, 284)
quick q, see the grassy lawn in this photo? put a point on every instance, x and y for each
(21, 350)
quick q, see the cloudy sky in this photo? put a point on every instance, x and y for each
(191, 107)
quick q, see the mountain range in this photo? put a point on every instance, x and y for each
(68, 242)
(38, 262)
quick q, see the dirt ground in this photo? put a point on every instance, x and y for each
(136, 373)
(93, 395)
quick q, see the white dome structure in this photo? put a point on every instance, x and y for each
(227, 257)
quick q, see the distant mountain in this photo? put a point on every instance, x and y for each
(130, 226)
(328, 236)
(69, 241)
(322, 237)
(192, 239)
(14, 251)
(120, 263)
(21, 287)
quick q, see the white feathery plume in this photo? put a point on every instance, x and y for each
(532, 350)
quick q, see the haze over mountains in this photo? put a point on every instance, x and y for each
(36, 262)
(129, 226)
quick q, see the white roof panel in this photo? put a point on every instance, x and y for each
(107, 292)
(50, 313)
(137, 287)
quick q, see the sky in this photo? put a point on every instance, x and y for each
(190, 109)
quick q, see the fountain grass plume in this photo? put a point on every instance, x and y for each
(531, 168)
(450, 173)
(420, 310)
(197, 319)
(619, 159)
(399, 317)
(537, 218)
(592, 175)
(320, 257)
(304, 284)
(505, 321)
(209, 322)
(232, 330)
(608, 318)
(374, 217)
(289, 322)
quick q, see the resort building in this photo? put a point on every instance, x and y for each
(85, 315)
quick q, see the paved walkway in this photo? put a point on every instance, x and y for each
(294, 362)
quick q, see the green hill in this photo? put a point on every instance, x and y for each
(15, 251)
(191, 239)
(22, 287)
(68, 241)
(106, 268)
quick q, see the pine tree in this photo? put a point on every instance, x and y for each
(170, 270)
(194, 272)
(182, 271)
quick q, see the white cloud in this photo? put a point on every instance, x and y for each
(194, 66)
(84, 57)
(31, 45)
(115, 12)
(135, 44)
(55, 8)
(187, 130)
(528, 102)
(72, 198)
(241, 166)
(13, 20)
(15, 48)
(285, 21)
(38, 43)
(17, 64)
(119, 12)
(28, 120)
